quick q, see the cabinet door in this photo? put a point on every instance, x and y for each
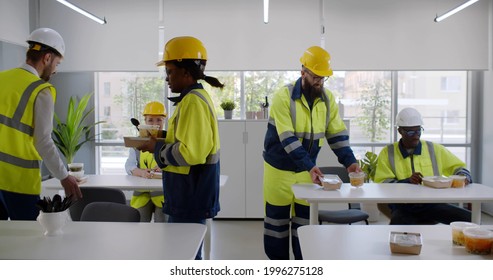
(255, 168)
(232, 195)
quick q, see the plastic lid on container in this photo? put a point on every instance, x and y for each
(463, 225)
(357, 174)
(478, 233)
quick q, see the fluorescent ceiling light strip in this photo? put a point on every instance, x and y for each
(266, 11)
(455, 10)
(83, 12)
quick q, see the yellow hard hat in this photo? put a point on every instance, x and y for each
(185, 47)
(317, 60)
(154, 108)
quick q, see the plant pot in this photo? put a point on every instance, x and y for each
(259, 115)
(250, 115)
(228, 114)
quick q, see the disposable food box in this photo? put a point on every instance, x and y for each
(405, 243)
(331, 182)
(437, 182)
(134, 142)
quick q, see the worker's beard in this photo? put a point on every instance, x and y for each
(312, 91)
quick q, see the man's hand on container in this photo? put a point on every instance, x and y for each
(71, 187)
(315, 174)
(354, 168)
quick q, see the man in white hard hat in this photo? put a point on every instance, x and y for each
(407, 161)
(26, 124)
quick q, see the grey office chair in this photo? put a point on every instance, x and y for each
(346, 216)
(102, 211)
(93, 194)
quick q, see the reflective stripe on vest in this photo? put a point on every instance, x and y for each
(431, 151)
(292, 111)
(211, 158)
(15, 121)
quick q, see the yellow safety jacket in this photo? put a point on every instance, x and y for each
(395, 164)
(296, 131)
(141, 198)
(189, 157)
(19, 160)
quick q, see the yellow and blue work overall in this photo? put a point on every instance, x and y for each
(140, 199)
(396, 165)
(189, 158)
(295, 134)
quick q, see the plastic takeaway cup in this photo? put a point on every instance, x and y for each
(478, 241)
(458, 181)
(457, 231)
(357, 179)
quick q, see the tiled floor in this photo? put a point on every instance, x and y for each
(243, 239)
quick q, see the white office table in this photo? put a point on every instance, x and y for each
(131, 183)
(362, 242)
(394, 193)
(101, 241)
(122, 182)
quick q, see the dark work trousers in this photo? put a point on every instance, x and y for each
(427, 213)
(20, 206)
(277, 230)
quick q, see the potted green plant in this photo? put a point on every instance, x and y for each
(228, 106)
(70, 135)
(369, 165)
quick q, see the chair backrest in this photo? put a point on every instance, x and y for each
(109, 212)
(93, 194)
(340, 171)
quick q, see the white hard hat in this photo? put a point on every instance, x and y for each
(408, 117)
(48, 37)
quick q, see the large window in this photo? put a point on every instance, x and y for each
(368, 99)
(121, 96)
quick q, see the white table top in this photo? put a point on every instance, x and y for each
(362, 242)
(393, 192)
(101, 240)
(122, 182)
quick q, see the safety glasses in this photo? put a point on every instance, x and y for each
(315, 78)
(411, 133)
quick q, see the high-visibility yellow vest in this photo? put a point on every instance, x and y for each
(141, 198)
(430, 159)
(183, 126)
(19, 160)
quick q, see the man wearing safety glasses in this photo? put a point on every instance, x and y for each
(303, 116)
(407, 161)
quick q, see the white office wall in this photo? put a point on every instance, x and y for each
(360, 34)
(128, 42)
(236, 36)
(402, 35)
(14, 21)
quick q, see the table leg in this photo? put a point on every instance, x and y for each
(207, 240)
(476, 212)
(313, 213)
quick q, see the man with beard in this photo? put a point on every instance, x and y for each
(407, 161)
(301, 115)
(26, 123)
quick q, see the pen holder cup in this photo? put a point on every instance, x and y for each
(53, 222)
